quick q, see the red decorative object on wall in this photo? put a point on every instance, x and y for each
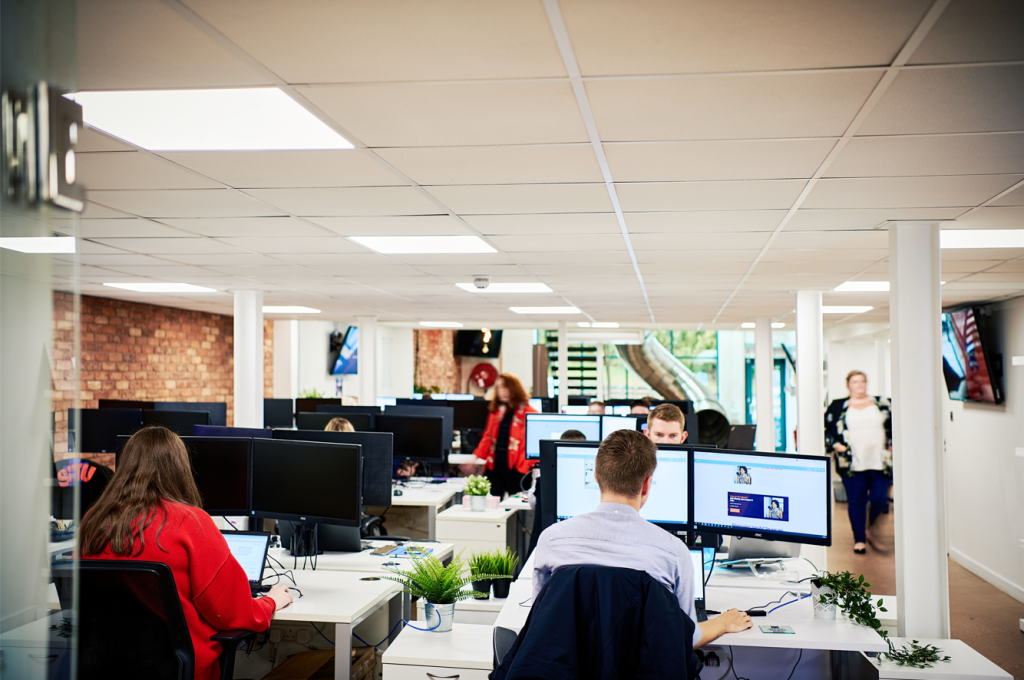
(484, 375)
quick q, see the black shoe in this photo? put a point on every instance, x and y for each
(860, 551)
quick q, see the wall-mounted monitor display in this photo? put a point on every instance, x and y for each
(971, 366)
(482, 343)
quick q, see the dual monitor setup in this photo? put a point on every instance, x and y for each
(541, 426)
(700, 490)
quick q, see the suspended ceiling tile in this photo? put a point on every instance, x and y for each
(404, 225)
(663, 37)
(930, 155)
(93, 211)
(822, 255)
(993, 218)
(111, 247)
(275, 169)
(853, 218)
(145, 45)
(318, 42)
(535, 164)
(749, 240)
(91, 139)
(689, 196)
(454, 114)
(465, 273)
(274, 273)
(683, 257)
(839, 266)
(1014, 198)
(307, 244)
(348, 201)
(695, 268)
(362, 259)
(524, 198)
(704, 221)
(838, 240)
(183, 203)
(981, 254)
(171, 272)
(162, 246)
(127, 228)
(255, 227)
(1014, 267)
(567, 223)
(729, 107)
(972, 99)
(564, 244)
(120, 259)
(233, 258)
(740, 159)
(972, 31)
(907, 192)
(135, 170)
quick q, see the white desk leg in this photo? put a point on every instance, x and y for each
(432, 522)
(342, 651)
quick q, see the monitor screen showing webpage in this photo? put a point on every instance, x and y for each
(610, 424)
(552, 425)
(578, 491)
(746, 494)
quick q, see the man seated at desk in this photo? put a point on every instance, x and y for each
(615, 535)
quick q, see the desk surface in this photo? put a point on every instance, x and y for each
(36, 634)
(364, 562)
(428, 495)
(964, 663)
(461, 514)
(466, 646)
(336, 596)
(516, 502)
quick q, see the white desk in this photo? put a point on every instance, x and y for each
(345, 599)
(517, 502)
(464, 459)
(363, 562)
(467, 651)
(429, 496)
(964, 664)
(33, 650)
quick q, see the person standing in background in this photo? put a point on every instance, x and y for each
(858, 430)
(503, 445)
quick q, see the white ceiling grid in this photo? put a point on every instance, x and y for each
(656, 162)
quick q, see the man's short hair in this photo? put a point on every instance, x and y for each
(574, 435)
(670, 413)
(624, 460)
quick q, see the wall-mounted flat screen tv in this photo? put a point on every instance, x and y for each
(971, 364)
(482, 343)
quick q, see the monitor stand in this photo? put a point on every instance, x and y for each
(307, 538)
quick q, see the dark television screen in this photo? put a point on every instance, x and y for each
(483, 343)
(967, 358)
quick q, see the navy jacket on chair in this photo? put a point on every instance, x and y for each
(602, 623)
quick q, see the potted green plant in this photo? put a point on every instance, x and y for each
(439, 585)
(504, 564)
(847, 593)
(481, 564)
(477, 488)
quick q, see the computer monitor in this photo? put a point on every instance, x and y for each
(344, 408)
(425, 408)
(619, 410)
(741, 437)
(416, 437)
(537, 404)
(576, 410)
(552, 425)
(222, 469)
(308, 482)
(778, 496)
(309, 405)
(218, 431)
(278, 413)
(570, 487)
(318, 421)
(178, 422)
(697, 558)
(610, 424)
(383, 402)
(98, 429)
(125, 403)
(362, 420)
(377, 455)
(470, 415)
(218, 410)
(249, 548)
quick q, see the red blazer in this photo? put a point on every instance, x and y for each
(213, 588)
(516, 439)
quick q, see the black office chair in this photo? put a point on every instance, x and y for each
(130, 624)
(372, 526)
(503, 639)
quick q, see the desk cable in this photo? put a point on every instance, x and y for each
(732, 665)
(388, 636)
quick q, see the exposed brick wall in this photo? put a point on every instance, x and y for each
(436, 363)
(146, 352)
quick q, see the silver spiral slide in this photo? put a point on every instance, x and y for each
(672, 380)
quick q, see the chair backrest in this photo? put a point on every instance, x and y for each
(503, 641)
(130, 623)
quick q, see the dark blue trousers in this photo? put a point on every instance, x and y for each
(861, 487)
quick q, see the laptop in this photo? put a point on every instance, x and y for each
(250, 549)
(741, 437)
(699, 573)
(761, 549)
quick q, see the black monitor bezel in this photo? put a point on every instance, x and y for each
(328, 437)
(526, 430)
(280, 404)
(443, 454)
(701, 527)
(150, 415)
(77, 425)
(356, 450)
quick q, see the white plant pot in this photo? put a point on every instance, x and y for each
(445, 613)
(821, 610)
(478, 503)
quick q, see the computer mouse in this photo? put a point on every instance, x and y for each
(396, 492)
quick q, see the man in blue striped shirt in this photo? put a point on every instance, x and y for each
(615, 535)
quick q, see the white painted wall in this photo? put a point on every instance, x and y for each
(395, 361)
(286, 359)
(517, 355)
(984, 476)
(314, 343)
(732, 363)
(848, 355)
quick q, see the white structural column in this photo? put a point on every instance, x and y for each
(764, 372)
(248, 334)
(810, 423)
(563, 365)
(600, 370)
(286, 359)
(367, 350)
(881, 349)
(922, 585)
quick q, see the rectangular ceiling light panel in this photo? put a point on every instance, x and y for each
(440, 324)
(506, 288)
(863, 287)
(545, 310)
(162, 287)
(286, 309)
(845, 309)
(262, 118)
(40, 244)
(981, 238)
(424, 245)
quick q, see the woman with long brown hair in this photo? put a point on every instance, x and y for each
(504, 442)
(151, 511)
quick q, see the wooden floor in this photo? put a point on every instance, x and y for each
(981, 615)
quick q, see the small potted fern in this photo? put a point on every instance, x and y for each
(481, 564)
(504, 564)
(440, 586)
(477, 488)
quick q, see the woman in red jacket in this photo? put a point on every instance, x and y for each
(150, 511)
(504, 443)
